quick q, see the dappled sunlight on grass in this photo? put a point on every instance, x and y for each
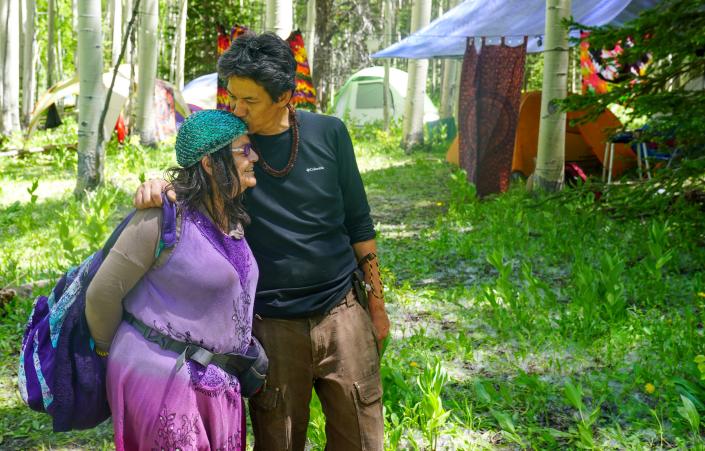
(46, 189)
(517, 321)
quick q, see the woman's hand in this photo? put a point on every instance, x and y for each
(149, 194)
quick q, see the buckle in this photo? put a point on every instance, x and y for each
(162, 340)
(156, 337)
(201, 356)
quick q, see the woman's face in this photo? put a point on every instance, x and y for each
(245, 158)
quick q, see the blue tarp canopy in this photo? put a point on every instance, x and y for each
(509, 19)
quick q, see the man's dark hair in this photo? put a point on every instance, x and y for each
(193, 187)
(264, 58)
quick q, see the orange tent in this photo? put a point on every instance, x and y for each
(584, 143)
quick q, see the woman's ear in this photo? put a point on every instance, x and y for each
(207, 165)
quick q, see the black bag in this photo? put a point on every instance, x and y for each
(360, 287)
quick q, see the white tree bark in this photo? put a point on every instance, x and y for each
(116, 26)
(550, 159)
(29, 77)
(59, 56)
(51, 42)
(11, 70)
(416, 90)
(127, 7)
(3, 48)
(108, 17)
(280, 17)
(449, 81)
(310, 33)
(91, 154)
(147, 56)
(449, 87)
(387, 39)
(181, 45)
(74, 26)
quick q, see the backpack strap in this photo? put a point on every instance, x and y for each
(167, 238)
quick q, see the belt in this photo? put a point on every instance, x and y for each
(349, 300)
(249, 368)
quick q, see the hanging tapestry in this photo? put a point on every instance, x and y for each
(490, 95)
(600, 68)
(224, 41)
(305, 93)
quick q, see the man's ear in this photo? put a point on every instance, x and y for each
(206, 163)
(285, 98)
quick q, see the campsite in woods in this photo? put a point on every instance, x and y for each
(524, 211)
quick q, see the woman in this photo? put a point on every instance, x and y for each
(199, 291)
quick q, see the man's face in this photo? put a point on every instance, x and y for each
(251, 103)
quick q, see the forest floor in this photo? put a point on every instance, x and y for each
(518, 321)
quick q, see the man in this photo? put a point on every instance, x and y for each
(310, 229)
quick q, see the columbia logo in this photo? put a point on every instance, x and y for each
(319, 168)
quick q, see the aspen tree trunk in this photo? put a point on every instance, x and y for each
(51, 42)
(449, 80)
(116, 26)
(130, 108)
(550, 159)
(147, 47)
(10, 121)
(59, 56)
(279, 17)
(108, 18)
(29, 77)
(387, 39)
(127, 8)
(436, 64)
(449, 87)
(3, 50)
(91, 153)
(173, 22)
(181, 45)
(456, 98)
(418, 69)
(322, 71)
(166, 36)
(74, 26)
(310, 33)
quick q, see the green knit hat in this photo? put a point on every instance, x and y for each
(205, 132)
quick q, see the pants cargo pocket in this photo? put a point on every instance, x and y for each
(266, 400)
(368, 402)
(370, 327)
(270, 427)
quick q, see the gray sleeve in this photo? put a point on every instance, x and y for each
(130, 258)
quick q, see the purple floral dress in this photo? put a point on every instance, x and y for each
(202, 294)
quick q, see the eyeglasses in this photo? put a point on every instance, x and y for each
(244, 150)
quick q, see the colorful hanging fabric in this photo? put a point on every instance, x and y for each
(490, 94)
(224, 41)
(305, 93)
(601, 68)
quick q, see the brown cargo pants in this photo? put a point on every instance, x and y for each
(335, 354)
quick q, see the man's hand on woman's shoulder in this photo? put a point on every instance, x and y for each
(149, 194)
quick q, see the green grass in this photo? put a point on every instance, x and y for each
(518, 321)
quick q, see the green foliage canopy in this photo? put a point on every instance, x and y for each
(673, 34)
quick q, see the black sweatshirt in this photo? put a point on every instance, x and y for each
(303, 224)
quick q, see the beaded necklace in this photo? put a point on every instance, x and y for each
(294, 149)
